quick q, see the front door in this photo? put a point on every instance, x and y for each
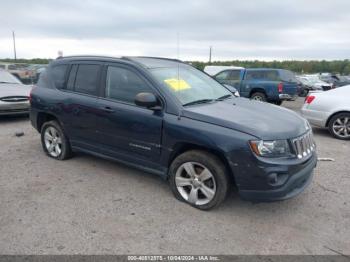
(125, 130)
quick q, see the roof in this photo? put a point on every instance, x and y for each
(147, 62)
(154, 62)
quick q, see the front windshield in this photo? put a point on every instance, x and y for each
(7, 78)
(189, 84)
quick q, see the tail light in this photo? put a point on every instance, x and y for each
(309, 99)
(30, 94)
(280, 87)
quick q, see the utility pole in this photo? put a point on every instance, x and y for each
(210, 54)
(14, 44)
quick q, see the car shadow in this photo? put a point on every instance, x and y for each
(14, 118)
(321, 132)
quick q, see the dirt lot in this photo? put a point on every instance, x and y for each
(88, 205)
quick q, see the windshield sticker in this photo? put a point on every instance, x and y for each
(177, 84)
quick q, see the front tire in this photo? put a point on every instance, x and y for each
(339, 126)
(54, 141)
(199, 178)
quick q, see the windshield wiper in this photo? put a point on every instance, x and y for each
(200, 101)
(223, 97)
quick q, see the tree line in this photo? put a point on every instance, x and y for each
(302, 67)
(298, 66)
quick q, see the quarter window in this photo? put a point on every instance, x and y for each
(123, 84)
(58, 74)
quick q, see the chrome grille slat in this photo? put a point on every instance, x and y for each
(304, 145)
(14, 99)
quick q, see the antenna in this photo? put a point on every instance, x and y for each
(14, 44)
(178, 57)
(210, 50)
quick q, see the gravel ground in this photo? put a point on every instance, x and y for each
(88, 205)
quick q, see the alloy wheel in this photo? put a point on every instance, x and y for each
(195, 183)
(258, 98)
(53, 141)
(341, 127)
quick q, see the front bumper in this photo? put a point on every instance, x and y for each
(295, 184)
(287, 97)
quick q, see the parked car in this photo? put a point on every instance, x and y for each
(271, 85)
(306, 86)
(335, 80)
(314, 83)
(20, 71)
(166, 117)
(37, 69)
(330, 110)
(13, 95)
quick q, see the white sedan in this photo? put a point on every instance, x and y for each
(330, 109)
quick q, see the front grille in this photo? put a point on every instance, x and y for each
(304, 145)
(14, 99)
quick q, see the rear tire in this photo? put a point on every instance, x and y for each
(258, 96)
(199, 179)
(339, 126)
(54, 141)
(279, 102)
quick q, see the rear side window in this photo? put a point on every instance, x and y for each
(58, 74)
(123, 84)
(84, 79)
(265, 75)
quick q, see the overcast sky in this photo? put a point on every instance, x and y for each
(249, 29)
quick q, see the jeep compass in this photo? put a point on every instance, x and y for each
(165, 117)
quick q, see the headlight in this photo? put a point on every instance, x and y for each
(276, 148)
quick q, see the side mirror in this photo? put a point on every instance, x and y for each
(232, 90)
(147, 100)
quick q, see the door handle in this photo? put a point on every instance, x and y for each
(108, 109)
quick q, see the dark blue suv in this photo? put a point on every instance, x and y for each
(168, 118)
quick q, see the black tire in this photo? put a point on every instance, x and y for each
(304, 93)
(259, 96)
(278, 102)
(334, 121)
(217, 170)
(65, 151)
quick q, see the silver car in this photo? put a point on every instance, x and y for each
(330, 109)
(14, 96)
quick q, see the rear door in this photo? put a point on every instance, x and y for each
(79, 103)
(126, 130)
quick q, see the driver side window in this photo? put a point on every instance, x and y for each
(123, 84)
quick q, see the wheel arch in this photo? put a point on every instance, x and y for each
(180, 148)
(334, 114)
(43, 118)
(256, 90)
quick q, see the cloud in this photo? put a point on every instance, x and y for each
(252, 29)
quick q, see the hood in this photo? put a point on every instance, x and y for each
(259, 119)
(14, 90)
